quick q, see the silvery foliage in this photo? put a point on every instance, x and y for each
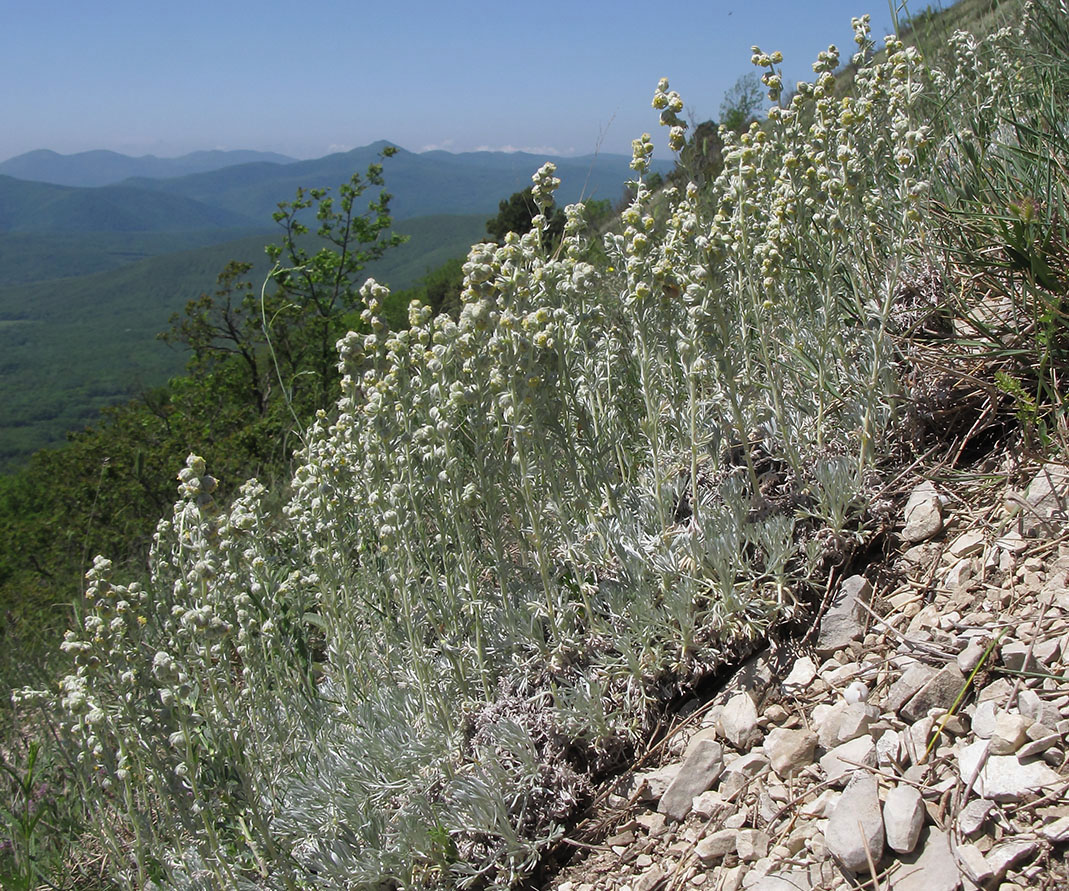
(518, 528)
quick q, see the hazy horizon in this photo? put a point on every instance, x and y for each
(553, 78)
(503, 149)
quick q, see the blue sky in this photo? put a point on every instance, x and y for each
(309, 78)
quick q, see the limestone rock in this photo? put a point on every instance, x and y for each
(939, 692)
(836, 675)
(696, 740)
(738, 722)
(970, 657)
(1016, 657)
(716, 846)
(1002, 777)
(855, 829)
(1007, 778)
(792, 880)
(975, 865)
(741, 771)
(931, 867)
(774, 715)
(968, 544)
(903, 818)
(999, 691)
(961, 573)
(845, 619)
(907, 686)
(843, 760)
(1057, 831)
(650, 785)
(654, 824)
(754, 675)
(1012, 542)
(856, 720)
(751, 844)
(973, 816)
(1011, 732)
(709, 804)
(768, 823)
(1043, 507)
(730, 879)
(923, 515)
(1008, 854)
(1056, 589)
(737, 820)
(821, 806)
(827, 719)
(984, 719)
(801, 675)
(915, 739)
(698, 772)
(1040, 711)
(888, 749)
(653, 878)
(789, 750)
(1045, 652)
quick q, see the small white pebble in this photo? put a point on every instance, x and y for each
(856, 692)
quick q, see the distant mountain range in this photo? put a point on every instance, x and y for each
(229, 195)
(426, 183)
(104, 168)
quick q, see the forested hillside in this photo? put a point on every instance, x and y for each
(421, 183)
(74, 346)
(40, 207)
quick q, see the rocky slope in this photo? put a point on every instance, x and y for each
(916, 743)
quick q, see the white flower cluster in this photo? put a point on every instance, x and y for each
(544, 185)
(669, 103)
(194, 483)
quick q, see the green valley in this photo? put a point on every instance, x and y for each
(71, 346)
